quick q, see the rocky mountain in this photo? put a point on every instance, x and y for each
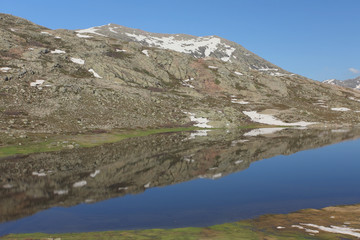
(350, 83)
(113, 77)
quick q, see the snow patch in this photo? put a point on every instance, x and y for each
(264, 69)
(238, 162)
(330, 81)
(277, 74)
(234, 100)
(83, 36)
(147, 185)
(271, 120)
(190, 46)
(340, 130)
(7, 186)
(95, 173)
(341, 109)
(58, 51)
(46, 33)
(200, 121)
(94, 73)
(239, 73)
(39, 174)
(187, 85)
(218, 175)
(112, 30)
(225, 59)
(235, 142)
(5, 69)
(90, 30)
(335, 229)
(77, 60)
(146, 52)
(262, 131)
(37, 83)
(212, 67)
(79, 184)
(61, 192)
(120, 50)
(354, 99)
(198, 133)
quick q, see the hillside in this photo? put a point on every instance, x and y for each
(113, 77)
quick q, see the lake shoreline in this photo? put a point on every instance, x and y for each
(325, 223)
(38, 143)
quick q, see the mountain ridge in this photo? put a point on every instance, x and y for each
(349, 83)
(55, 81)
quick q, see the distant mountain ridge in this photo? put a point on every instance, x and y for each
(350, 83)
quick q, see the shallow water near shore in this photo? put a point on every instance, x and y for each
(178, 180)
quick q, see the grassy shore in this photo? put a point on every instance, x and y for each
(279, 226)
(42, 143)
(37, 143)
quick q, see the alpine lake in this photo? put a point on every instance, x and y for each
(183, 179)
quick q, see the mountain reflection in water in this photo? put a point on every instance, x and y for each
(34, 183)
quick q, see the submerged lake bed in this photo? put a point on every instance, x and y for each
(179, 180)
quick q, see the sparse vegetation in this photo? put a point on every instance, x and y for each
(279, 226)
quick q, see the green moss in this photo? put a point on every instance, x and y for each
(85, 140)
(231, 231)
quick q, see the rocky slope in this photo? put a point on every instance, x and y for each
(350, 83)
(61, 81)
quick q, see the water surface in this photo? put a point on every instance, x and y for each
(178, 180)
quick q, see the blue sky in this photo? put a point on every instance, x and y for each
(319, 39)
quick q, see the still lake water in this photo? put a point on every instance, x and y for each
(179, 180)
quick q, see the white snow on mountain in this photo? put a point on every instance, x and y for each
(46, 33)
(190, 46)
(77, 60)
(112, 30)
(341, 109)
(329, 81)
(199, 121)
(94, 73)
(267, 69)
(212, 67)
(262, 131)
(146, 52)
(58, 51)
(37, 83)
(271, 120)
(83, 36)
(91, 30)
(5, 69)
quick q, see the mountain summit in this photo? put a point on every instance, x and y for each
(198, 47)
(107, 77)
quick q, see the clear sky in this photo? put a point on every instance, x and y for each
(319, 39)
